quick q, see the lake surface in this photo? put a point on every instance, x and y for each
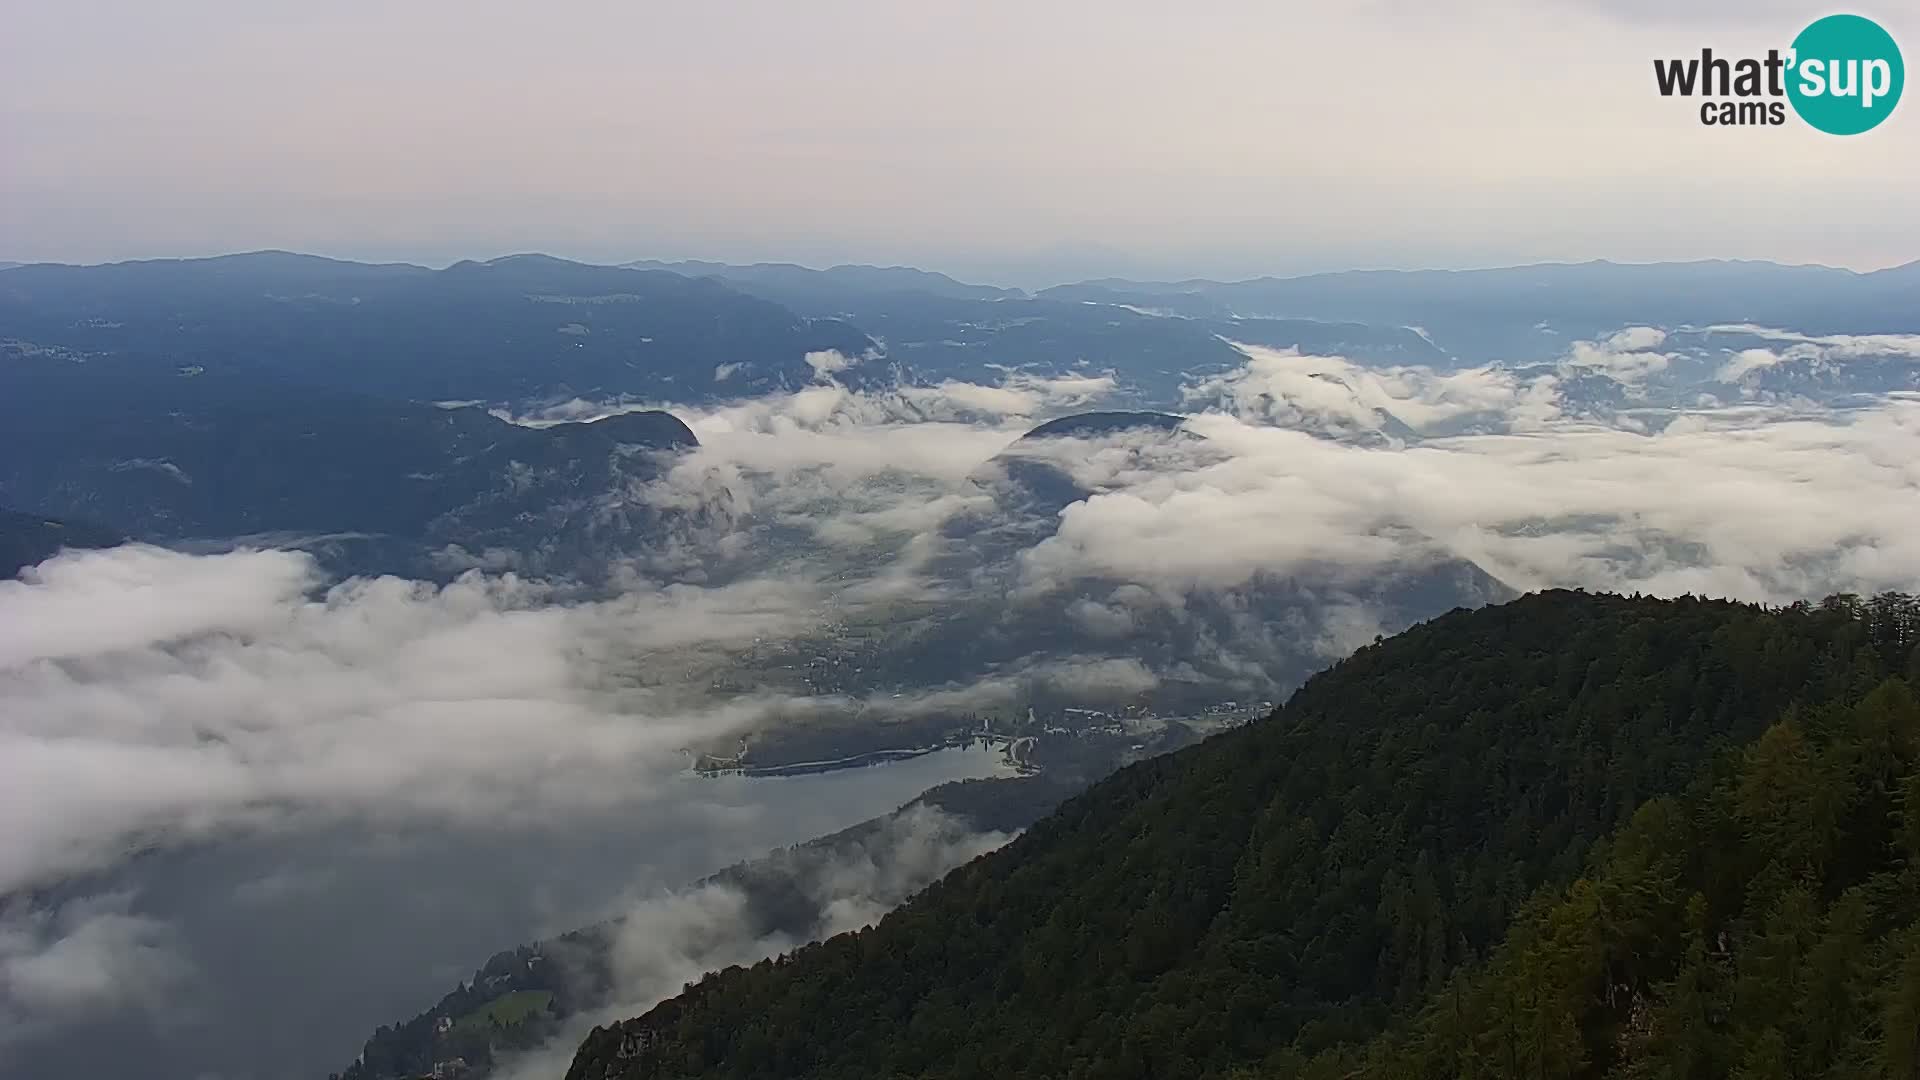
(300, 944)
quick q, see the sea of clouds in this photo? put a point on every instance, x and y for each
(153, 700)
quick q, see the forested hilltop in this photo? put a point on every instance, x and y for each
(1573, 835)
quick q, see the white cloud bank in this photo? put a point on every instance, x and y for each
(149, 696)
(1335, 396)
(87, 956)
(1746, 504)
(152, 693)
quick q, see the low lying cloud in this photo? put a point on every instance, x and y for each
(83, 958)
(663, 942)
(1745, 361)
(829, 403)
(80, 606)
(233, 687)
(1020, 394)
(1333, 396)
(1833, 346)
(828, 361)
(1773, 365)
(1754, 504)
(1626, 357)
(151, 693)
(1316, 467)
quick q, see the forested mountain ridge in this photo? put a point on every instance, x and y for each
(1766, 924)
(389, 486)
(514, 329)
(1288, 890)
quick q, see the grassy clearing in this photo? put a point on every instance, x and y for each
(508, 1009)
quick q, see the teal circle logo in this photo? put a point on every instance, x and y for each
(1845, 74)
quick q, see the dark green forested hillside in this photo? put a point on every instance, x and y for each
(1766, 926)
(1278, 898)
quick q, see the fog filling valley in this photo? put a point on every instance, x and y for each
(241, 792)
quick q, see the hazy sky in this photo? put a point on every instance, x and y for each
(1013, 140)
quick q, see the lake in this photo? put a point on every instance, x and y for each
(300, 944)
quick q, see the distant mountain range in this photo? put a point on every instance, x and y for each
(803, 288)
(521, 328)
(376, 486)
(369, 485)
(128, 391)
(1461, 316)
(529, 328)
(1512, 313)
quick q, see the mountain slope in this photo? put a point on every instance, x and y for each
(1767, 924)
(372, 485)
(1288, 887)
(1252, 639)
(27, 539)
(833, 290)
(514, 329)
(1529, 312)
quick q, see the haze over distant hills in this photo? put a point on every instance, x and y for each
(372, 485)
(1500, 314)
(934, 325)
(126, 387)
(520, 327)
(528, 327)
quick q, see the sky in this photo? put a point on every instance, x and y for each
(1016, 142)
